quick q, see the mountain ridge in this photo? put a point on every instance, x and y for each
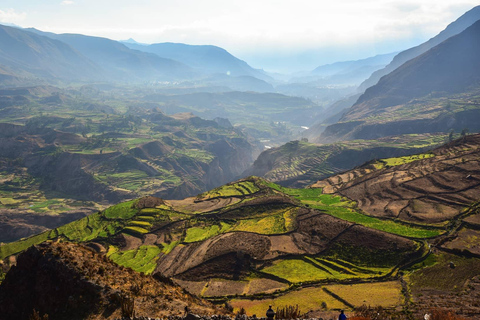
(454, 28)
(446, 72)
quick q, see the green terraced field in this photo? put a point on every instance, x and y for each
(310, 269)
(391, 162)
(345, 209)
(202, 233)
(121, 211)
(97, 225)
(142, 259)
(230, 190)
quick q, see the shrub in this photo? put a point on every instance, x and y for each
(289, 312)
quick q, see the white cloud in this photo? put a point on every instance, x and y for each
(67, 2)
(11, 16)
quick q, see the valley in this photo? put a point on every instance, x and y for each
(166, 179)
(255, 243)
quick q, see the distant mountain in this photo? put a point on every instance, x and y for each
(452, 66)
(206, 58)
(420, 91)
(462, 23)
(24, 54)
(121, 62)
(351, 72)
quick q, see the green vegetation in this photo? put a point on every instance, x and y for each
(123, 210)
(345, 209)
(391, 162)
(238, 189)
(297, 270)
(142, 259)
(168, 247)
(98, 225)
(12, 248)
(202, 233)
(306, 299)
(309, 269)
(438, 273)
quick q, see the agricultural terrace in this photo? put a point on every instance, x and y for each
(328, 297)
(345, 209)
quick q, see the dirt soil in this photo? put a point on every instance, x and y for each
(431, 190)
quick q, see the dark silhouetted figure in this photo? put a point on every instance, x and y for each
(270, 313)
(342, 316)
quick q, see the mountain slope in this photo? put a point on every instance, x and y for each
(450, 67)
(69, 281)
(206, 58)
(31, 55)
(456, 27)
(299, 163)
(432, 188)
(120, 62)
(415, 98)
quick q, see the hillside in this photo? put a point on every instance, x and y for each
(74, 153)
(69, 281)
(435, 92)
(120, 62)
(272, 117)
(31, 56)
(433, 189)
(454, 28)
(207, 59)
(246, 231)
(351, 72)
(300, 163)
(246, 241)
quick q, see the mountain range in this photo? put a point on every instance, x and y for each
(456, 27)
(33, 56)
(434, 92)
(205, 58)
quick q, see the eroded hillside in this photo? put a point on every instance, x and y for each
(70, 281)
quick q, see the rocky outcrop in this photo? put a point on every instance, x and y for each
(68, 281)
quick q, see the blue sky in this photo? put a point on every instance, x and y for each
(277, 35)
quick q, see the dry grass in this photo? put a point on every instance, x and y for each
(308, 299)
(385, 294)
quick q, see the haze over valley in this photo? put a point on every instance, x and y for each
(153, 170)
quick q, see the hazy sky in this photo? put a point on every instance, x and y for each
(272, 34)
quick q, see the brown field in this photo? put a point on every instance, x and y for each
(194, 287)
(467, 239)
(224, 287)
(264, 285)
(430, 190)
(441, 286)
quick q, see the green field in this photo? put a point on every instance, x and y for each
(391, 162)
(345, 209)
(317, 269)
(238, 189)
(142, 259)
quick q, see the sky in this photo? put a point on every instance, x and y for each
(276, 35)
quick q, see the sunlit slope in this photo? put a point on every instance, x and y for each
(433, 187)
